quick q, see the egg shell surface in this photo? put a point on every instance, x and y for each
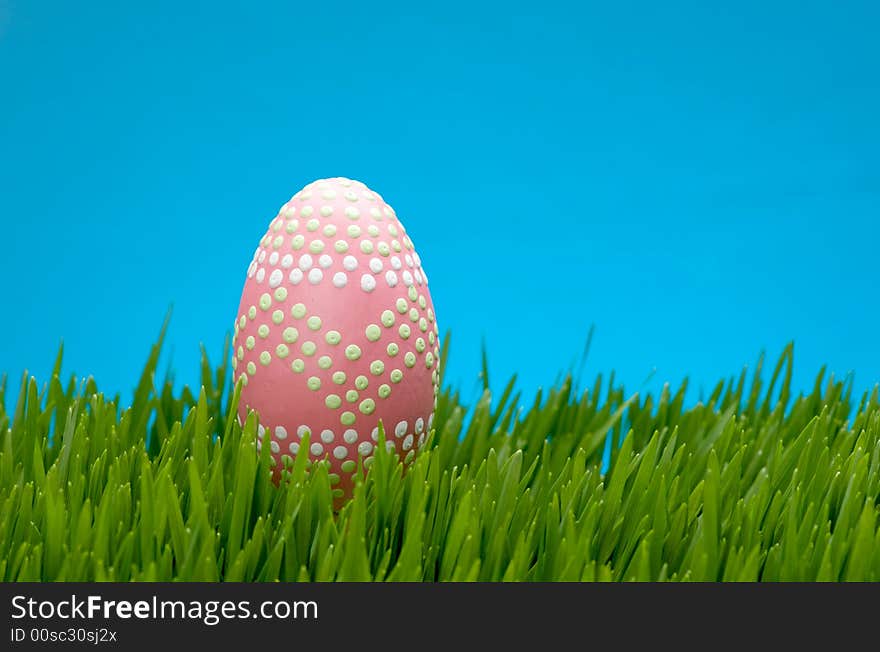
(336, 331)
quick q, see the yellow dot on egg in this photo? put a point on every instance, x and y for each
(333, 337)
(314, 383)
(281, 294)
(422, 302)
(361, 382)
(409, 359)
(366, 246)
(392, 349)
(265, 301)
(339, 377)
(420, 344)
(353, 352)
(333, 401)
(387, 318)
(347, 418)
(367, 406)
(250, 342)
(290, 334)
(252, 312)
(298, 242)
(316, 246)
(341, 246)
(384, 391)
(411, 293)
(298, 366)
(413, 314)
(373, 332)
(330, 230)
(265, 358)
(251, 368)
(401, 306)
(277, 317)
(351, 396)
(404, 331)
(298, 311)
(377, 367)
(324, 362)
(396, 375)
(282, 351)
(308, 348)
(263, 331)
(312, 225)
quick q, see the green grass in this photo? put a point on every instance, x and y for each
(750, 484)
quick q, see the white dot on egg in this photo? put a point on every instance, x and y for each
(368, 283)
(275, 278)
(375, 265)
(395, 262)
(295, 276)
(287, 261)
(340, 279)
(350, 263)
(301, 431)
(315, 276)
(409, 260)
(400, 428)
(420, 425)
(293, 447)
(305, 262)
(365, 448)
(325, 261)
(407, 278)
(252, 269)
(408, 442)
(374, 435)
(280, 432)
(418, 276)
(274, 446)
(391, 278)
(350, 436)
(261, 274)
(327, 436)
(262, 256)
(316, 449)
(273, 258)
(340, 452)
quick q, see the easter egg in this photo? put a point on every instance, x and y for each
(336, 332)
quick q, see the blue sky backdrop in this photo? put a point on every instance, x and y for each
(699, 180)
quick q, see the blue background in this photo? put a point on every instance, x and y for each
(699, 181)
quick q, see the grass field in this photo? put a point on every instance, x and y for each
(752, 483)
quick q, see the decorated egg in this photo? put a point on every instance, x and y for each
(336, 332)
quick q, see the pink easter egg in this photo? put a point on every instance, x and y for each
(336, 332)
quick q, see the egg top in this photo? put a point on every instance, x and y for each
(336, 330)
